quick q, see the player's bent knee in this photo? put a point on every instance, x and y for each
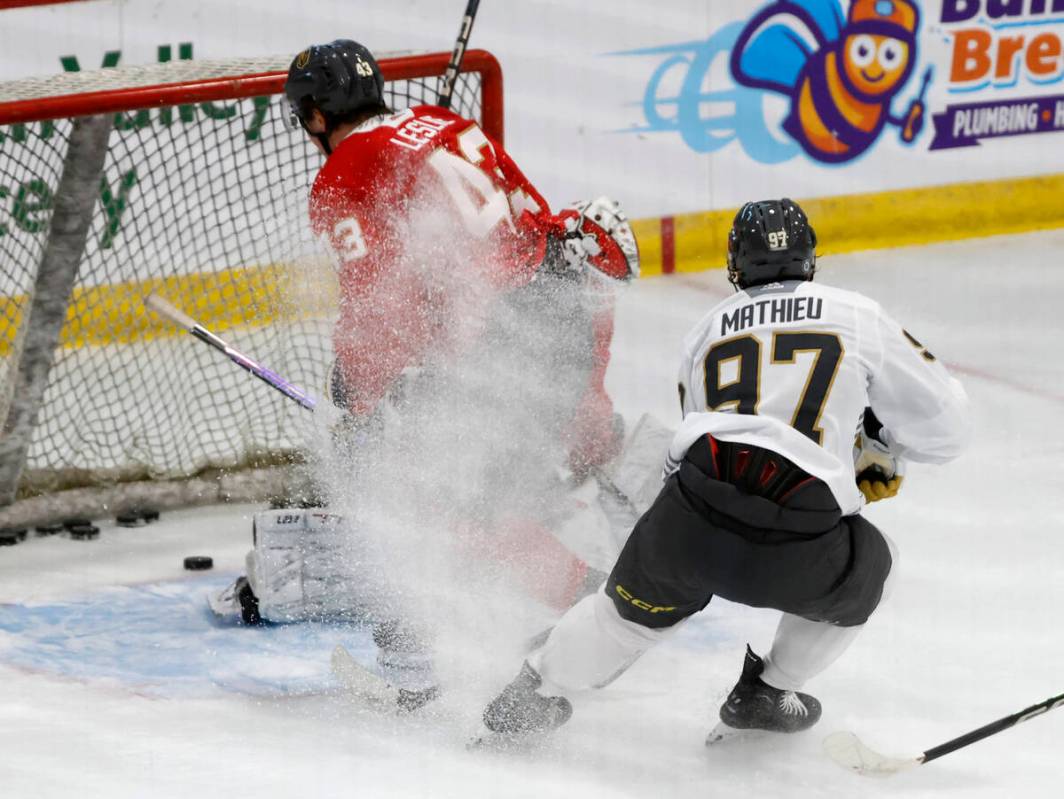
(652, 613)
(892, 575)
(654, 585)
(862, 590)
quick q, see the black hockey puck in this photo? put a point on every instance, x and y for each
(136, 517)
(130, 518)
(84, 532)
(10, 536)
(76, 522)
(199, 563)
(49, 529)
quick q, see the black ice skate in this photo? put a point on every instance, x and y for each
(755, 706)
(520, 712)
(237, 604)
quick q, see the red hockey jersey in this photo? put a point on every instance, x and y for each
(414, 205)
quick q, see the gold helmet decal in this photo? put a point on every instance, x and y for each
(303, 59)
(363, 69)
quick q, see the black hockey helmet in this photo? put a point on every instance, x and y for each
(770, 240)
(339, 79)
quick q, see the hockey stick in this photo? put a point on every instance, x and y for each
(606, 484)
(271, 378)
(450, 77)
(846, 749)
(361, 683)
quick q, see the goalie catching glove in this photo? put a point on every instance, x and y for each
(879, 472)
(597, 235)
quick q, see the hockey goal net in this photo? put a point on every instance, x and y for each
(193, 183)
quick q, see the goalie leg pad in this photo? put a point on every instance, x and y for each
(301, 567)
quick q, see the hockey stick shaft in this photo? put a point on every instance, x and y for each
(606, 483)
(450, 77)
(992, 728)
(268, 376)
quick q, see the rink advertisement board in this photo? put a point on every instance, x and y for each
(683, 110)
(844, 75)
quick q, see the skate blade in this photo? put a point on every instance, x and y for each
(483, 738)
(486, 739)
(724, 734)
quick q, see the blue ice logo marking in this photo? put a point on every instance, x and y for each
(159, 640)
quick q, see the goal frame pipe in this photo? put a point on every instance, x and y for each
(56, 273)
(240, 87)
(6, 5)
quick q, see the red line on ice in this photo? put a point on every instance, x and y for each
(1005, 381)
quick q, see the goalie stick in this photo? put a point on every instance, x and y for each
(450, 77)
(168, 311)
(848, 751)
(361, 683)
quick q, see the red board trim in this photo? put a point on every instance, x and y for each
(668, 245)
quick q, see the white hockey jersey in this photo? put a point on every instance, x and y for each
(791, 367)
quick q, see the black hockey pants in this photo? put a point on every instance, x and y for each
(748, 525)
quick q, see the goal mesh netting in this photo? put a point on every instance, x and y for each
(202, 198)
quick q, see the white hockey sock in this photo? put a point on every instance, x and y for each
(591, 646)
(803, 648)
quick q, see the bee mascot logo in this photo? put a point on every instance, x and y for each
(841, 72)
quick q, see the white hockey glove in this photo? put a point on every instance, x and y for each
(879, 472)
(599, 236)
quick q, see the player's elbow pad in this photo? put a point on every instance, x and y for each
(941, 439)
(959, 434)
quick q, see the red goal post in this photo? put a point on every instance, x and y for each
(184, 178)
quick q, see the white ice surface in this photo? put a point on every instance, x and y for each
(967, 637)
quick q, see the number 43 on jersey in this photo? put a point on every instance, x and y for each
(481, 204)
